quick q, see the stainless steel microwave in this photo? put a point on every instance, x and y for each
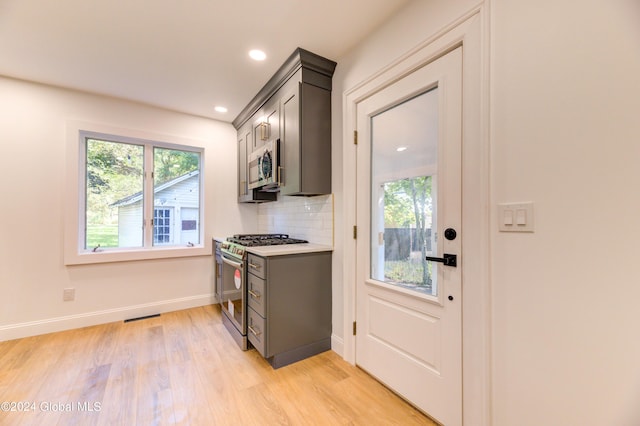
(263, 166)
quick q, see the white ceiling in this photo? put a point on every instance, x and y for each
(184, 55)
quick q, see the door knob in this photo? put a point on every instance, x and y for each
(447, 259)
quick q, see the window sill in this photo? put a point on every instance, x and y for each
(108, 256)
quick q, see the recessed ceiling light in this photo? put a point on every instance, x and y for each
(401, 148)
(220, 109)
(257, 55)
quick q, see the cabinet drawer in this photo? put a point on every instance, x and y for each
(256, 296)
(256, 331)
(257, 265)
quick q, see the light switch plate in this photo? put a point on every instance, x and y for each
(515, 217)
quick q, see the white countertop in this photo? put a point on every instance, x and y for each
(281, 250)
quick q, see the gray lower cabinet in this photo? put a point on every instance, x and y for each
(289, 315)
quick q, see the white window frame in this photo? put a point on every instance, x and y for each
(74, 252)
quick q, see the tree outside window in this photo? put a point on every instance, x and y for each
(115, 194)
(408, 210)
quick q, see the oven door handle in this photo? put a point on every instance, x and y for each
(232, 263)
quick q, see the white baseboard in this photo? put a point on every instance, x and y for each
(337, 344)
(69, 322)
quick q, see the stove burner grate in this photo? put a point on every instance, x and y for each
(253, 240)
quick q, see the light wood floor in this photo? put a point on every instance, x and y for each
(182, 368)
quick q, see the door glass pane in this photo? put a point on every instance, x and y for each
(404, 169)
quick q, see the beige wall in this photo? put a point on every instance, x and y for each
(564, 108)
(33, 125)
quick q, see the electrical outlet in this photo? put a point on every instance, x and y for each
(69, 294)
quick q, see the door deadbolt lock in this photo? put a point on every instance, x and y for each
(450, 234)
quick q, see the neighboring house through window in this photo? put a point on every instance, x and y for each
(171, 200)
(137, 194)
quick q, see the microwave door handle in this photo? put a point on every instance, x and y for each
(279, 146)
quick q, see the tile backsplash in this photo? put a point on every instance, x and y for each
(308, 218)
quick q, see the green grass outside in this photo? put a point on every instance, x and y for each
(407, 274)
(105, 235)
(403, 271)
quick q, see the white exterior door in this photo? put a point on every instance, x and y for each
(408, 308)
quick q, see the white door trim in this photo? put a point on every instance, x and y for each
(470, 32)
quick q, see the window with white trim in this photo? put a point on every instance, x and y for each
(132, 194)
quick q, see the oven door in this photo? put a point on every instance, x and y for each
(218, 272)
(233, 293)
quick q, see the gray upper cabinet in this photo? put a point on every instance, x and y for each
(245, 145)
(294, 107)
(305, 138)
(266, 125)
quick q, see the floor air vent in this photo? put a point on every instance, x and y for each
(141, 318)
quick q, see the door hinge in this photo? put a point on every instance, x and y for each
(355, 232)
(354, 328)
(355, 137)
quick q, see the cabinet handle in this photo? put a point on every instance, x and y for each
(255, 333)
(264, 131)
(254, 266)
(254, 294)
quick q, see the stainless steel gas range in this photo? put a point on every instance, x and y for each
(234, 279)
